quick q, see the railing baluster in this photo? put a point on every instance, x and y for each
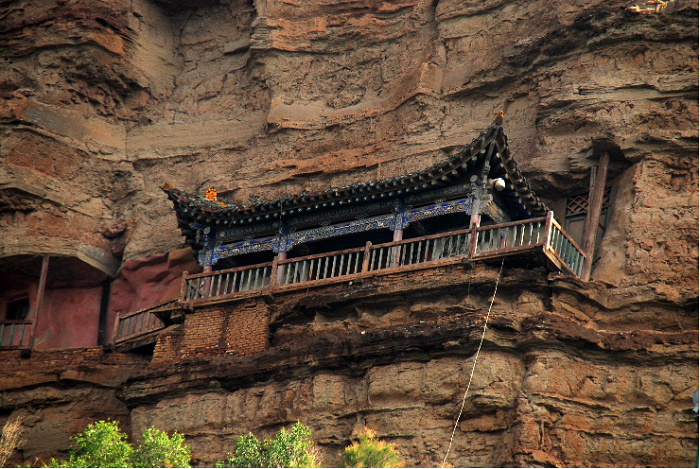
(342, 264)
(357, 262)
(318, 268)
(21, 337)
(256, 279)
(295, 276)
(227, 279)
(139, 322)
(218, 285)
(335, 260)
(562, 240)
(326, 263)
(450, 246)
(12, 334)
(210, 285)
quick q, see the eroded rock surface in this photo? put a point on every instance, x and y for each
(101, 102)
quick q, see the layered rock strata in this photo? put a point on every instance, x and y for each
(101, 102)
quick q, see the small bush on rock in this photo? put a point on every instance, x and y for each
(368, 452)
(293, 448)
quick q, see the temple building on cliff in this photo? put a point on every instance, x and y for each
(474, 206)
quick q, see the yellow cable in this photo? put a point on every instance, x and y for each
(476, 357)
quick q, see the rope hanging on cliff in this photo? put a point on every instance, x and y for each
(476, 357)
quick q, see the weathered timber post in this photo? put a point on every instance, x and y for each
(474, 224)
(548, 230)
(183, 287)
(595, 206)
(365, 258)
(40, 296)
(273, 274)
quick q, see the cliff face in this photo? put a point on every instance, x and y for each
(101, 102)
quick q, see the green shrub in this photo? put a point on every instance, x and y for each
(368, 452)
(292, 448)
(157, 449)
(247, 452)
(102, 444)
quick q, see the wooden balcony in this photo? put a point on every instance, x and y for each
(16, 334)
(138, 328)
(539, 237)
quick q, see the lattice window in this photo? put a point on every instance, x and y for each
(578, 204)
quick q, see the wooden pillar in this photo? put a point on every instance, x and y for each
(365, 257)
(396, 250)
(474, 224)
(595, 206)
(279, 271)
(40, 296)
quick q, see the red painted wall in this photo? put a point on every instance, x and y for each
(70, 313)
(147, 282)
(69, 318)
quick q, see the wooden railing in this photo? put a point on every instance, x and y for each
(316, 268)
(566, 250)
(16, 334)
(142, 322)
(227, 282)
(537, 236)
(542, 235)
(417, 251)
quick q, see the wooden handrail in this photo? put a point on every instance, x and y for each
(15, 321)
(319, 256)
(228, 271)
(566, 235)
(511, 223)
(175, 304)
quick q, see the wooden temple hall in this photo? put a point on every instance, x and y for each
(476, 205)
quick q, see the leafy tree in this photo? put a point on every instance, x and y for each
(157, 449)
(102, 444)
(247, 452)
(368, 452)
(292, 448)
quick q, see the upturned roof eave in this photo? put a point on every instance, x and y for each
(196, 208)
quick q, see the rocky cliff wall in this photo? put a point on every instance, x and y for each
(101, 102)
(553, 385)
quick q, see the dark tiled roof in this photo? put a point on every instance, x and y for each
(518, 197)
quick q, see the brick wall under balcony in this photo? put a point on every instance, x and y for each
(239, 328)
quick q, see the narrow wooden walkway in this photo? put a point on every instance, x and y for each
(539, 236)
